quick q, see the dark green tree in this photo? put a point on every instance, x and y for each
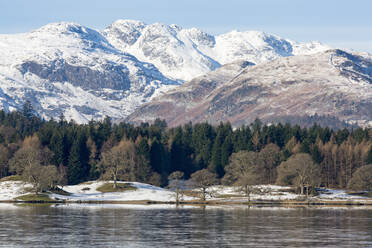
(369, 157)
(216, 164)
(202, 142)
(27, 109)
(226, 151)
(178, 157)
(78, 160)
(143, 148)
(221, 152)
(305, 146)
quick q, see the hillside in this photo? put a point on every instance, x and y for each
(332, 83)
(71, 69)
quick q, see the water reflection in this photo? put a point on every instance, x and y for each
(166, 226)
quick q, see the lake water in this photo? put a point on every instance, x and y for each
(167, 226)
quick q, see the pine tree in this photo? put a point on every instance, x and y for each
(315, 154)
(27, 109)
(226, 151)
(78, 160)
(369, 156)
(58, 146)
(202, 142)
(143, 148)
(305, 146)
(221, 151)
(157, 157)
(177, 153)
(216, 165)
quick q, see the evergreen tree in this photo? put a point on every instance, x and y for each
(305, 146)
(157, 157)
(143, 148)
(60, 147)
(202, 142)
(161, 124)
(178, 157)
(78, 160)
(315, 154)
(216, 164)
(221, 151)
(226, 151)
(4, 158)
(27, 109)
(369, 156)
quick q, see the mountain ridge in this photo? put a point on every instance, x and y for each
(89, 74)
(184, 54)
(334, 83)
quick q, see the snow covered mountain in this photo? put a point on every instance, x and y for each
(71, 69)
(87, 74)
(332, 84)
(184, 54)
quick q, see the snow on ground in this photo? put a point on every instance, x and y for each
(88, 192)
(268, 192)
(279, 193)
(85, 192)
(338, 194)
(12, 189)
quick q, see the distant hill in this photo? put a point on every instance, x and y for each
(334, 85)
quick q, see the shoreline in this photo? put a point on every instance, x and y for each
(17, 192)
(205, 203)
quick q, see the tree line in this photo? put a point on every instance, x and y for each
(64, 152)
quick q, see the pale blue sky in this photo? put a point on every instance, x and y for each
(341, 23)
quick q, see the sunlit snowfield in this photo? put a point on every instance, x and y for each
(106, 225)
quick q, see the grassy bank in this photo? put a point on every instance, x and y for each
(35, 198)
(120, 187)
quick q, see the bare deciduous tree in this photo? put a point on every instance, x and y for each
(203, 179)
(299, 170)
(46, 177)
(118, 161)
(362, 178)
(175, 183)
(62, 175)
(244, 170)
(155, 179)
(31, 161)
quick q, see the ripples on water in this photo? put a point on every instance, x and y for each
(166, 226)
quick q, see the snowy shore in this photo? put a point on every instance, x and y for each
(141, 193)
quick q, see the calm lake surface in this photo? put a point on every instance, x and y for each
(166, 226)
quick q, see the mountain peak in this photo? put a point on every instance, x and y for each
(128, 22)
(69, 32)
(63, 27)
(123, 26)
